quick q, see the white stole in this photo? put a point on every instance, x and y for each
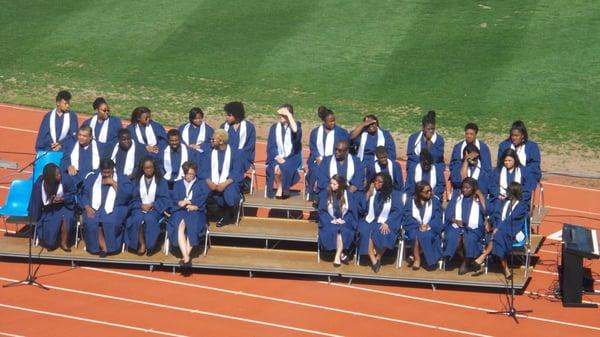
(504, 179)
(185, 134)
(129, 159)
(284, 144)
(97, 195)
(432, 175)
(189, 192)
(505, 208)
(150, 136)
(242, 133)
(476, 172)
(65, 126)
(520, 153)
(167, 162)
(426, 216)
(214, 166)
(473, 215)
(385, 212)
(418, 141)
(349, 172)
(390, 166)
(147, 194)
(326, 150)
(103, 131)
(95, 155)
(331, 211)
(45, 197)
(363, 141)
(464, 144)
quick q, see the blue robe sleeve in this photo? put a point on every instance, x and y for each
(410, 149)
(449, 214)
(358, 180)
(409, 186)
(43, 141)
(249, 146)
(436, 216)
(485, 157)
(161, 134)
(312, 144)
(505, 144)
(440, 183)
(297, 139)
(351, 217)
(398, 178)
(136, 199)
(237, 169)
(534, 160)
(409, 222)
(162, 200)
(324, 216)
(69, 192)
(529, 184)
(390, 145)
(209, 133)
(124, 191)
(518, 217)
(494, 185)
(200, 195)
(323, 178)
(87, 122)
(35, 201)
(86, 193)
(271, 145)
(394, 220)
(438, 149)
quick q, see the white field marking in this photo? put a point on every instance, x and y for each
(17, 129)
(88, 320)
(38, 110)
(533, 293)
(9, 334)
(4, 187)
(556, 236)
(553, 273)
(464, 306)
(573, 210)
(576, 187)
(281, 300)
(192, 311)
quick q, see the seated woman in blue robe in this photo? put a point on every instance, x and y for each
(105, 200)
(171, 158)
(322, 144)
(242, 134)
(510, 170)
(52, 208)
(284, 153)
(465, 224)
(382, 163)
(338, 219)
(507, 225)
(379, 229)
(196, 134)
(428, 139)
(427, 171)
(151, 201)
(367, 135)
(527, 150)
(147, 132)
(471, 167)
(59, 126)
(222, 172)
(126, 154)
(456, 161)
(105, 127)
(423, 224)
(188, 218)
(345, 164)
(82, 157)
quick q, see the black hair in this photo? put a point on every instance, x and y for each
(472, 126)
(122, 132)
(373, 117)
(323, 112)
(195, 111)
(289, 107)
(343, 141)
(63, 94)
(137, 112)
(339, 194)
(106, 164)
(98, 102)
(173, 133)
(235, 109)
(50, 184)
(189, 165)
(510, 153)
(419, 187)
(429, 118)
(87, 128)
(380, 150)
(140, 173)
(520, 126)
(388, 186)
(426, 157)
(470, 148)
(472, 182)
(514, 191)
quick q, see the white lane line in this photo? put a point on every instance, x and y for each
(89, 320)
(188, 310)
(576, 187)
(17, 129)
(573, 210)
(9, 334)
(281, 300)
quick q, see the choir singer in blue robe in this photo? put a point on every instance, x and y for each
(343, 163)
(59, 126)
(367, 135)
(126, 154)
(242, 134)
(147, 132)
(427, 170)
(428, 139)
(82, 157)
(383, 163)
(196, 134)
(105, 127)
(172, 157)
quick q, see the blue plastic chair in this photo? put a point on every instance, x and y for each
(45, 157)
(17, 200)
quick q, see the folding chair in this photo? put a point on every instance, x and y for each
(44, 158)
(17, 200)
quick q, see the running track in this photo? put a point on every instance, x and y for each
(108, 301)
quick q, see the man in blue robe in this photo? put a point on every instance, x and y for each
(59, 126)
(82, 157)
(126, 154)
(173, 156)
(345, 164)
(382, 163)
(242, 134)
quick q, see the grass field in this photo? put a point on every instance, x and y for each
(491, 62)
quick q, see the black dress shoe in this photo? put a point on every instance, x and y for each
(376, 266)
(102, 254)
(345, 259)
(463, 268)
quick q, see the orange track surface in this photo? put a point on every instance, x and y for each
(131, 302)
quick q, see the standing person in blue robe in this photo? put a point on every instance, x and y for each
(187, 223)
(423, 224)
(171, 158)
(105, 127)
(507, 225)
(473, 167)
(345, 164)
(151, 201)
(465, 224)
(383, 163)
(242, 134)
(52, 208)
(59, 126)
(284, 153)
(527, 150)
(147, 132)
(105, 199)
(338, 219)
(428, 171)
(379, 230)
(510, 171)
(428, 139)
(126, 154)
(485, 157)
(82, 157)
(367, 135)
(222, 172)
(196, 134)
(322, 144)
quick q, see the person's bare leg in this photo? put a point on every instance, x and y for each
(101, 239)
(486, 251)
(183, 242)
(505, 268)
(277, 182)
(64, 236)
(141, 240)
(339, 246)
(417, 254)
(372, 252)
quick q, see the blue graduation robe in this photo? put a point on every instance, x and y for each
(358, 179)
(48, 218)
(429, 240)
(485, 156)
(440, 181)
(85, 162)
(175, 161)
(195, 222)
(527, 181)
(231, 195)
(150, 219)
(508, 229)
(437, 149)
(371, 144)
(313, 169)
(248, 151)
(472, 236)
(328, 231)
(293, 160)
(114, 125)
(121, 157)
(194, 133)
(112, 223)
(532, 152)
(397, 178)
(483, 181)
(371, 230)
(44, 141)
(162, 140)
